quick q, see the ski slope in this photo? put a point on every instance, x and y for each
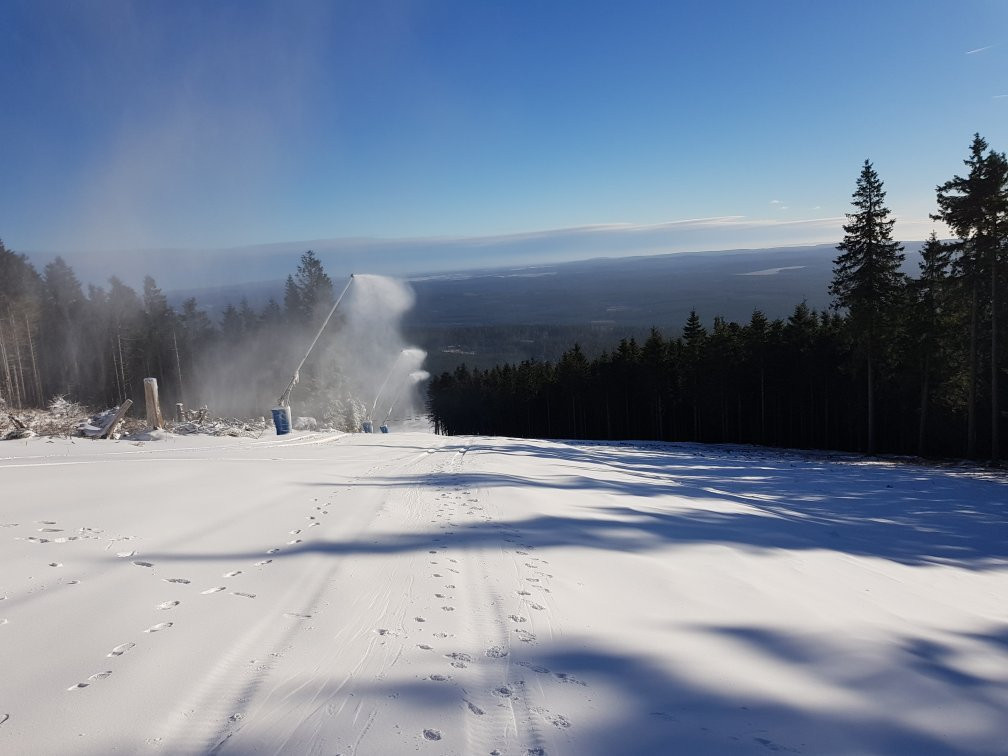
(408, 593)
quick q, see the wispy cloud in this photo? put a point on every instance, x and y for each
(999, 97)
(776, 202)
(979, 50)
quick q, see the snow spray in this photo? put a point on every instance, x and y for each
(411, 380)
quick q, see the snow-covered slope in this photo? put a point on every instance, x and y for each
(410, 593)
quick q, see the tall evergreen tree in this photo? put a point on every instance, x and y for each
(927, 324)
(975, 207)
(867, 280)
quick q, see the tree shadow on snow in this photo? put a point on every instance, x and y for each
(759, 500)
(644, 706)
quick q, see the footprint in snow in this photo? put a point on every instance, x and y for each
(517, 618)
(475, 709)
(448, 608)
(183, 581)
(535, 667)
(296, 615)
(504, 691)
(273, 551)
(93, 678)
(524, 593)
(568, 678)
(296, 540)
(440, 678)
(296, 531)
(143, 564)
(232, 573)
(159, 627)
(121, 649)
(125, 554)
(50, 530)
(431, 734)
(243, 595)
(4, 718)
(264, 561)
(55, 564)
(424, 647)
(216, 589)
(419, 619)
(168, 605)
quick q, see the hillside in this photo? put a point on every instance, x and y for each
(405, 592)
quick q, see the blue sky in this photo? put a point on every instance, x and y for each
(205, 125)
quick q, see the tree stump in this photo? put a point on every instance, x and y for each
(154, 419)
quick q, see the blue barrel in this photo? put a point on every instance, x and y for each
(368, 427)
(281, 419)
(383, 428)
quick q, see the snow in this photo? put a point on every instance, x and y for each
(382, 594)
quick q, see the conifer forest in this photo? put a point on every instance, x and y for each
(904, 365)
(898, 364)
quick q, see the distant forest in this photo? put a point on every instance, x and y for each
(97, 347)
(899, 365)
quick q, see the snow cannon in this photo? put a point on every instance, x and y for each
(413, 378)
(283, 405)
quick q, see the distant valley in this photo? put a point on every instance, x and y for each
(535, 312)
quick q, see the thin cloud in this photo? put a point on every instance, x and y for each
(775, 202)
(979, 50)
(999, 97)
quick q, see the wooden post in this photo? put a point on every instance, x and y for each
(109, 429)
(154, 419)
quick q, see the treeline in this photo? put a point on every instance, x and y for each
(900, 365)
(96, 345)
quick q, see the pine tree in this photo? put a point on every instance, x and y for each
(927, 323)
(867, 280)
(975, 207)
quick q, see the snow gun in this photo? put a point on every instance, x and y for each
(282, 412)
(368, 425)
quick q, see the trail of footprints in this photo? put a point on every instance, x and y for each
(451, 506)
(163, 606)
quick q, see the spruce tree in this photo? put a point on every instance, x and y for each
(975, 207)
(867, 280)
(927, 325)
